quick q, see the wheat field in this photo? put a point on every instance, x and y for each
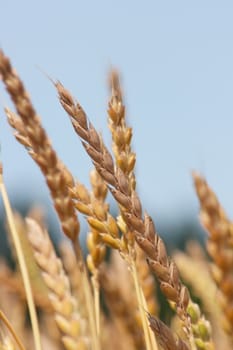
(111, 297)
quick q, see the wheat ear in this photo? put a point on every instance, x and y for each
(121, 133)
(125, 160)
(69, 321)
(219, 245)
(143, 228)
(121, 139)
(30, 133)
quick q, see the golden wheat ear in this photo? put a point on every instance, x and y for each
(68, 319)
(31, 134)
(219, 245)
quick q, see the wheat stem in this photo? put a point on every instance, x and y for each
(96, 290)
(152, 336)
(141, 306)
(88, 298)
(11, 330)
(22, 264)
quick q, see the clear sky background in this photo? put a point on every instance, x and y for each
(176, 64)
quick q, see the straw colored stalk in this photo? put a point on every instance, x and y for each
(13, 285)
(66, 314)
(6, 341)
(37, 283)
(12, 300)
(219, 245)
(143, 228)
(31, 134)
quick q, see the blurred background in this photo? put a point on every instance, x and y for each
(175, 60)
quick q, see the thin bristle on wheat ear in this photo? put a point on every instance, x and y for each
(67, 317)
(144, 230)
(35, 137)
(219, 245)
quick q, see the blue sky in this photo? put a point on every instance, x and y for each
(176, 63)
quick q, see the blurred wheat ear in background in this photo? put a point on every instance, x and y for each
(110, 298)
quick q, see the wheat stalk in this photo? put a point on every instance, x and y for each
(7, 344)
(22, 264)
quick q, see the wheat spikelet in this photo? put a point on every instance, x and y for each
(99, 220)
(100, 209)
(219, 245)
(65, 309)
(34, 137)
